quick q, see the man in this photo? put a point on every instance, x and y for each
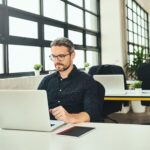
(72, 94)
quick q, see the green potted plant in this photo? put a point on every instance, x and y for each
(132, 67)
(37, 68)
(86, 65)
(136, 85)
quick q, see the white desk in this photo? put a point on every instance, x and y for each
(104, 137)
(130, 95)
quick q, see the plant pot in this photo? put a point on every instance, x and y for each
(86, 69)
(136, 105)
(37, 72)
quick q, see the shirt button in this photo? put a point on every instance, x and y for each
(60, 79)
(60, 90)
(58, 101)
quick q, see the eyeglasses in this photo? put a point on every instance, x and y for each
(59, 57)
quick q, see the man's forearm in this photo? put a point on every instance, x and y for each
(80, 117)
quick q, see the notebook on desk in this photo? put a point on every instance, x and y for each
(26, 110)
(113, 84)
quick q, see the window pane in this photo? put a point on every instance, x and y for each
(54, 9)
(0, 1)
(91, 40)
(91, 22)
(77, 2)
(129, 14)
(75, 16)
(27, 5)
(91, 5)
(92, 58)
(135, 28)
(1, 59)
(23, 28)
(79, 58)
(51, 32)
(135, 39)
(23, 58)
(130, 37)
(134, 6)
(49, 65)
(130, 3)
(131, 48)
(76, 37)
(130, 25)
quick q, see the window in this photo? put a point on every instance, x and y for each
(23, 58)
(49, 65)
(78, 60)
(77, 2)
(22, 28)
(92, 58)
(1, 59)
(91, 22)
(26, 5)
(54, 9)
(0, 1)
(51, 32)
(76, 37)
(28, 27)
(91, 5)
(75, 16)
(91, 40)
(137, 28)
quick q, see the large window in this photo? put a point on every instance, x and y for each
(27, 27)
(137, 28)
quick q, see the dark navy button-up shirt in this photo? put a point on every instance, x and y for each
(76, 93)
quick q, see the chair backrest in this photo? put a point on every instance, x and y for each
(144, 75)
(101, 95)
(109, 106)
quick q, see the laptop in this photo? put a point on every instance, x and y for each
(113, 84)
(26, 110)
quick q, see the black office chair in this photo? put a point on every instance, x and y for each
(101, 95)
(144, 75)
(110, 106)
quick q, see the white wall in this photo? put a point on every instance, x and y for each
(113, 32)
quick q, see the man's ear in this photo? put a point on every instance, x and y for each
(73, 55)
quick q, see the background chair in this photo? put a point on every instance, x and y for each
(144, 75)
(110, 106)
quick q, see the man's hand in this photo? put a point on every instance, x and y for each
(61, 114)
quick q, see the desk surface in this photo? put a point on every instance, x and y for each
(130, 95)
(104, 137)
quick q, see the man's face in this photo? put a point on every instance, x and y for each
(62, 58)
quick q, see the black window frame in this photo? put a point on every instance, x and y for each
(139, 35)
(6, 39)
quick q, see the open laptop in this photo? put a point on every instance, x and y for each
(26, 110)
(113, 84)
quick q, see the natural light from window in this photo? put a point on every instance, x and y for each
(23, 58)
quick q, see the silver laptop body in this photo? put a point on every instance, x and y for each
(25, 110)
(113, 84)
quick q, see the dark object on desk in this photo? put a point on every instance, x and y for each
(109, 106)
(144, 75)
(76, 131)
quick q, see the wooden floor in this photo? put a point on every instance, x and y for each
(131, 117)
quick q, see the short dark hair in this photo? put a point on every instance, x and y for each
(63, 42)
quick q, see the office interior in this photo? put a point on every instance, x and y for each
(104, 32)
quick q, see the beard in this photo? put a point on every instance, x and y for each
(61, 67)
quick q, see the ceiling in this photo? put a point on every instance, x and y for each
(145, 4)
